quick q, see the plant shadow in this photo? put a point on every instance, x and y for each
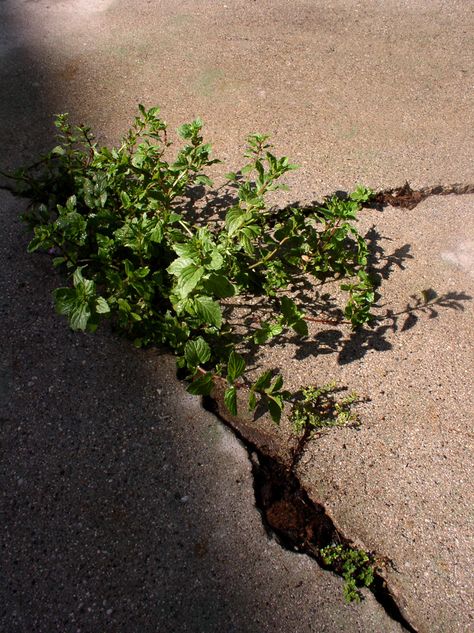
(321, 304)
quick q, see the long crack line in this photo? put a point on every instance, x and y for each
(299, 524)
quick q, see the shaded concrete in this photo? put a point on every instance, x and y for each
(124, 507)
(373, 92)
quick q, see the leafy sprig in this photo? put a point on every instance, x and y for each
(117, 223)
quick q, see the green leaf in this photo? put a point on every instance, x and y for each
(234, 219)
(252, 400)
(263, 381)
(35, 243)
(65, 300)
(77, 277)
(300, 327)
(361, 194)
(101, 306)
(275, 407)
(178, 265)
(203, 180)
(202, 386)
(276, 385)
(289, 309)
(235, 367)
(216, 261)
(79, 317)
(189, 278)
(230, 399)
(157, 234)
(208, 310)
(219, 286)
(58, 150)
(196, 352)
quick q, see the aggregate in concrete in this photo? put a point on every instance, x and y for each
(373, 92)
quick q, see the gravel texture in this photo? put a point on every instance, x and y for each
(125, 507)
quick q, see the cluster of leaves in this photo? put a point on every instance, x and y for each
(318, 408)
(355, 566)
(118, 224)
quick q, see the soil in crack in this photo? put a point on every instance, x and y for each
(408, 198)
(298, 523)
(302, 525)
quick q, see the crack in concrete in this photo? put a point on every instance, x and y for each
(409, 198)
(298, 523)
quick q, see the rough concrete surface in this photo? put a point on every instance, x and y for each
(125, 507)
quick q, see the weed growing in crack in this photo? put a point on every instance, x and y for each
(318, 408)
(354, 565)
(123, 226)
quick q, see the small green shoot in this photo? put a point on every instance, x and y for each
(356, 567)
(318, 408)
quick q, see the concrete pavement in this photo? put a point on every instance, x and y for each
(126, 507)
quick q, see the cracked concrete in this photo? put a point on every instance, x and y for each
(372, 92)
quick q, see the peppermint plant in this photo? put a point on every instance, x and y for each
(123, 226)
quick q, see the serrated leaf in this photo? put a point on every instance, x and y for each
(216, 261)
(178, 265)
(263, 381)
(235, 367)
(189, 278)
(208, 310)
(202, 386)
(230, 399)
(196, 352)
(234, 219)
(219, 286)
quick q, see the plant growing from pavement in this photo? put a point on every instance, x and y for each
(121, 225)
(354, 565)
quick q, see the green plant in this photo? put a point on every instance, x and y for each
(318, 408)
(122, 225)
(356, 567)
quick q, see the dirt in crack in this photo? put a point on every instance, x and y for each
(302, 525)
(298, 523)
(408, 198)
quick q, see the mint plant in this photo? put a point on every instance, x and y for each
(122, 226)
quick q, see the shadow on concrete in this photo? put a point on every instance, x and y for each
(120, 509)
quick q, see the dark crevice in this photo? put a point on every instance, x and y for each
(408, 198)
(298, 523)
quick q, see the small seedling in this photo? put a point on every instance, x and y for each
(354, 565)
(318, 408)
